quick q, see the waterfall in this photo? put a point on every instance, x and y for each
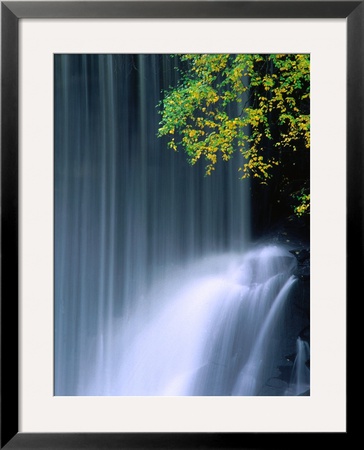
(216, 323)
(158, 290)
(300, 379)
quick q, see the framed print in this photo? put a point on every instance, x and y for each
(181, 197)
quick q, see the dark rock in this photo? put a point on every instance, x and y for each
(291, 357)
(305, 334)
(302, 272)
(301, 254)
(296, 318)
(286, 372)
(269, 391)
(306, 393)
(277, 383)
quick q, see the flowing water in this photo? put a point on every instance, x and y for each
(300, 379)
(158, 290)
(214, 332)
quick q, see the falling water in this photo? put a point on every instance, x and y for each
(300, 379)
(157, 288)
(209, 334)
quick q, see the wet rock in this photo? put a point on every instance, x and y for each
(269, 391)
(296, 318)
(302, 272)
(301, 254)
(291, 357)
(277, 383)
(305, 334)
(305, 394)
(285, 372)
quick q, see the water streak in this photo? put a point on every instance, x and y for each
(214, 331)
(300, 379)
(156, 292)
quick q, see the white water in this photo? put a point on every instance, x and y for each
(155, 293)
(214, 330)
(300, 379)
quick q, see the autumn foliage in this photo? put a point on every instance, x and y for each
(255, 104)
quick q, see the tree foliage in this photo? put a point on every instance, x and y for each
(256, 104)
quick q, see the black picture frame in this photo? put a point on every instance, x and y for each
(11, 13)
